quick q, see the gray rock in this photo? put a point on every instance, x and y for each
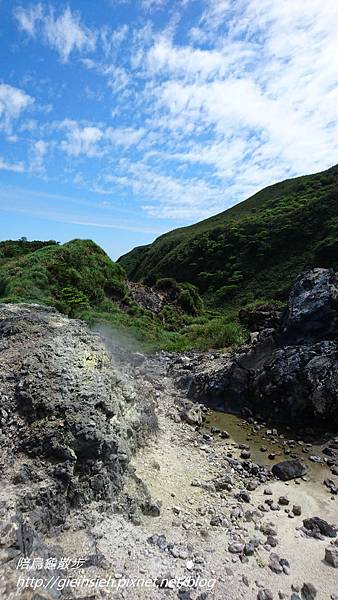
(192, 415)
(236, 548)
(308, 591)
(331, 556)
(265, 594)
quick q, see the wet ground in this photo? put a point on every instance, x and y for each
(242, 432)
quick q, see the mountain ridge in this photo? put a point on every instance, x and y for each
(224, 254)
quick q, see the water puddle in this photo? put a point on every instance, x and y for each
(242, 432)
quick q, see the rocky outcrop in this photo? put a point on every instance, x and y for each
(70, 417)
(290, 372)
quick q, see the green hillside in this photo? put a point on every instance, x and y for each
(253, 250)
(75, 276)
(80, 280)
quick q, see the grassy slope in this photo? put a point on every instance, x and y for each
(253, 250)
(80, 280)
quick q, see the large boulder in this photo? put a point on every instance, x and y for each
(70, 416)
(312, 312)
(289, 469)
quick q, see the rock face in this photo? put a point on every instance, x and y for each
(312, 313)
(290, 373)
(69, 419)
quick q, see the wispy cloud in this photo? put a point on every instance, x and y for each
(15, 167)
(13, 102)
(193, 116)
(63, 32)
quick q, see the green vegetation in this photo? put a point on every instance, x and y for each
(252, 251)
(245, 256)
(80, 280)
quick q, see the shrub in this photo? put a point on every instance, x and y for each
(166, 284)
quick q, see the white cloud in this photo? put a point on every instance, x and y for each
(81, 139)
(247, 96)
(64, 33)
(168, 196)
(13, 102)
(39, 151)
(16, 167)
(125, 136)
(150, 5)
(27, 18)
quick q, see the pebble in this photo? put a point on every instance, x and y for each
(265, 594)
(309, 591)
(236, 548)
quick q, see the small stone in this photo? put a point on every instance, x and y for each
(216, 521)
(244, 496)
(236, 548)
(275, 566)
(272, 541)
(249, 549)
(265, 594)
(245, 454)
(331, 556)
(283, 501)
(309, 591)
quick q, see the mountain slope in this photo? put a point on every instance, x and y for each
(80, 280)
(253, 250)
(72, 276)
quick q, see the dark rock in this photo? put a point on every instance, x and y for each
(216, 521)
(263, 316)
(290, 373)
(289, 469)
(283, 501)
(249, 549)
(308, 591)
(244, 496)
(245, 454)
(318, 525)
(312, 312)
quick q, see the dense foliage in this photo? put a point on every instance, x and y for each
(253, 250)
(80, 280)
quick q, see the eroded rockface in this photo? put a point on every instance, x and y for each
(289, 373)
(70, 416)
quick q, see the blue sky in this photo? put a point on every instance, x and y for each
(120, 119)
